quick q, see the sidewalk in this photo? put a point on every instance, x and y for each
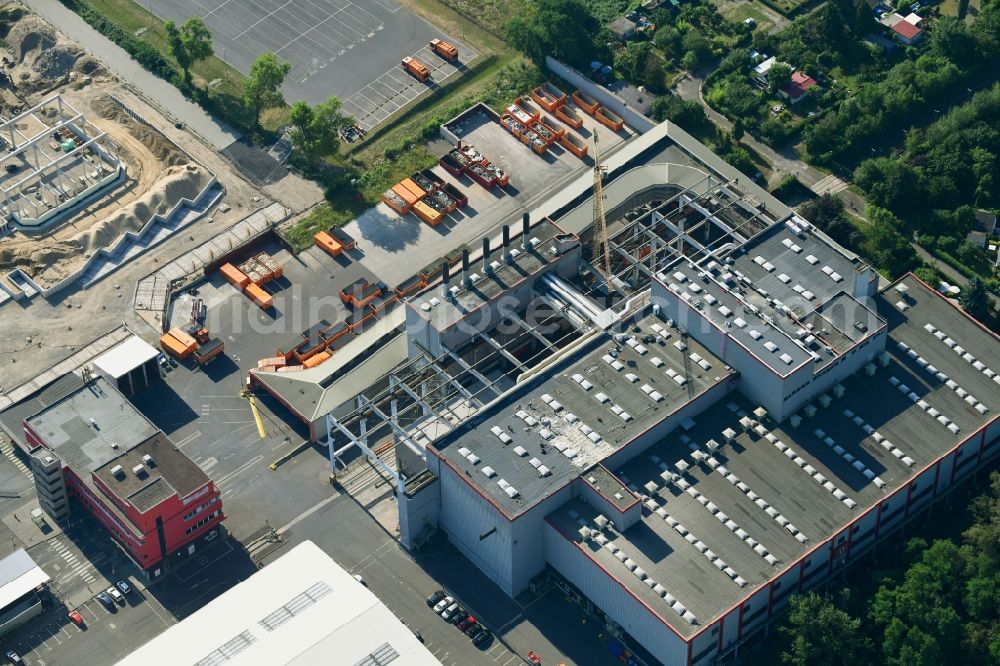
(170, 100)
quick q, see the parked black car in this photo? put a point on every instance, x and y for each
(435, 597)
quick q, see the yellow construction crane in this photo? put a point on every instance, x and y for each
(600, 240)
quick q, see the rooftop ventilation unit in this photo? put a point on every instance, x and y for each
(117, 472)
(139, 470)
(147, 460)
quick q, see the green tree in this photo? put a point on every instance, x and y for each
(778, 76)
(668, 40)
(564, 29)
(820, 634)
(630, 60)
(884, 245)
(316, 130)
(688, 114)
(262, 89)
(975, 300)
(189, 43)
(697, 50)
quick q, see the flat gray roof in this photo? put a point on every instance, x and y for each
(791, 489)
(728, 310)
(578, 412)
(91, 426)
(171, 472)
(804, 260)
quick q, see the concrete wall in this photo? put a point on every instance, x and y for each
(633, 118)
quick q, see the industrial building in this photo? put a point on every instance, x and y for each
(21, 580)
(91, 444)
(677, 423)
(55, 160)
(301, 609)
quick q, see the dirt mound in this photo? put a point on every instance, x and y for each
(28, 36)
(161, 147)
(43, 58)
(49, 261)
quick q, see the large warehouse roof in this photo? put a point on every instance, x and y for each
(720, 519)
(19, 575)
(300, 610)
(585, 411)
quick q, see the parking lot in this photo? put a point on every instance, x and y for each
(397, 245)
(336, 47)
(394, 89)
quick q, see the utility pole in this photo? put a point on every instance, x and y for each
(600, 240)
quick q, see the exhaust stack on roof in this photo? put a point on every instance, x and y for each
(525, 225)
(486, 257)
(506, 243)
(466, 280)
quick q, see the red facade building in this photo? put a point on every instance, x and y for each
(92, 445)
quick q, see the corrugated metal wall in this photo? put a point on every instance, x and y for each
(528, 545)
(640, 623)
(465, 517)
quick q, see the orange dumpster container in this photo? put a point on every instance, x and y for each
(175, 347)
(573, 144)
(183, 337)
(315, 360)
(426, 213)
(414, 189)
(585, 102)
(234, 276)
(277, 362)
(569, 116)
(271, 263)
(395, 201)
(260, 297)
(327, 243)
(609, 119)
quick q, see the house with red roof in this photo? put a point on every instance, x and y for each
(907, 32)
(797, 87)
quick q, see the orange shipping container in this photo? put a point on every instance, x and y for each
(234, 276)
(260, 297)
(183, 337)
(326, 242)
(313, 361)
(175, 347)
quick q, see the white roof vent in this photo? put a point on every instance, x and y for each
(147, 460)
(139, 470)
(117, 472)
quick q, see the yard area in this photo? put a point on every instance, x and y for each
(739, 12)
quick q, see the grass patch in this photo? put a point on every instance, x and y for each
(948, 8)
(739, 13)
(786, 8)
(133, 18)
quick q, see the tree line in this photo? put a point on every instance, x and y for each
(943, 608)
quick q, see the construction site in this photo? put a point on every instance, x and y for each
(86, 183)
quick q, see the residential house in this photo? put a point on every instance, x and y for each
(907, 33)
(983, 229)
(797, 87)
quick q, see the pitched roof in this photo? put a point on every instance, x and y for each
(907, 30)
(799, 84)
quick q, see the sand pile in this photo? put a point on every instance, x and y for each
(48, 261)
(43, 58)
(161, 147)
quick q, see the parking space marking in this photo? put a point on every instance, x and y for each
(8, 451)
